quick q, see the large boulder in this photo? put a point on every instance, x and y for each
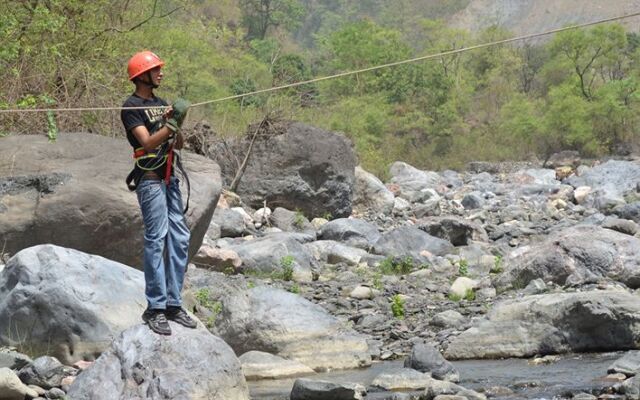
(67, 303)
(191, 364)
(575, 255)
(458, 231)
(285, 324)
(370, 194)
(350, 231)
(299, 167)
(553, 323)
(609, 181)
(411, 241)
(274, 253)
(72, 193)
(413, 183)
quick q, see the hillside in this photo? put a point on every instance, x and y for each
(529, 16)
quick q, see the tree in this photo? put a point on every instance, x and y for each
(261, 15)
(593, 54)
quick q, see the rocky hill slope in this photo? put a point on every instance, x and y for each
(529, 16)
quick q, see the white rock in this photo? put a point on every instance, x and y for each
(581, 193)
(247, 218)
(361, 292)
(318, 222)
(262, 215)
(400, 205)
(11, 388)
(461, 286)
(260, 365)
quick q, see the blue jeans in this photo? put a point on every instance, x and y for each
(166, 242)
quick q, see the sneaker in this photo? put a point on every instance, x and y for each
(179, 315)
(157, 321)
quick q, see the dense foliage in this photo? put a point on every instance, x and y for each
(578, 90)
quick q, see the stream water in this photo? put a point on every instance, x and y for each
(572, 373)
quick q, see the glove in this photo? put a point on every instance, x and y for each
(172, 124)
(180, 108)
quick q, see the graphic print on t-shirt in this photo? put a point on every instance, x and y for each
(154, 114)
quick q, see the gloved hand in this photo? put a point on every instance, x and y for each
(180, 108)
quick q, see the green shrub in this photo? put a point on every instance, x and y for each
(286, 263)
(397, 306)
(463, 267)
(497, 265)
(396, 266)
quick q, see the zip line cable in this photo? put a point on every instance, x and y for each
(346, 73)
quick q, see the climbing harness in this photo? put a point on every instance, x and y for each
(165, 155)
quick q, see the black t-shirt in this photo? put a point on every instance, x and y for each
(151, 118)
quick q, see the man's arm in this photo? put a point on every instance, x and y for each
(150, 142)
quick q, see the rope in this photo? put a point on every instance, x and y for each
(349, 73)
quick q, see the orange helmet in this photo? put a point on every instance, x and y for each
(142, 62)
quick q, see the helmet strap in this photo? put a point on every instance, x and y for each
(147, 82)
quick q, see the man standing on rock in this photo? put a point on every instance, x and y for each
(154, 132)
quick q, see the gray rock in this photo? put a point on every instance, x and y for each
(81, 201)
(304, 168)
(552, 323)
(411, 241)
(13, 359)
(307, 389)
(350, 231)
(189, 364)
(67, 303)
(458, 231)
(629, 364)
(426, 358)
(290, 221)
(231, 223)
(258, 365)
(270, 254)
(402, 379)
(412, 181)
(285, 324)
(55, 393)
(46, 372)
(610, 181)
(621, 225)
(564, 158)
(628, 211)
(573, 256)
(536, 286)
(448, 319)
(370, 194)
(630, 388)
(332, 252)
(473, 201)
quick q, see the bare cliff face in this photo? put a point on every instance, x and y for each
(531, 16)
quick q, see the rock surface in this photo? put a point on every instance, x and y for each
(67, 303)
(190, 364)
(287, 325)
(300, 167)
(81, 201)
(260, 365)
(551, 324)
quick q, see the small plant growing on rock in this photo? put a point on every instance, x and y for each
(377, 281)
(397, 306)
(463, 268)
(286, 263)
(396, 266)
(470, 295)
(328, 216)
(295, 288)
(497, 265)
(203, 297)
(298, 219)
(454, 297)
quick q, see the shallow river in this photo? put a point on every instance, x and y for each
(572, 373)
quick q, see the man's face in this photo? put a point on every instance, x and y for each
(156, 75)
